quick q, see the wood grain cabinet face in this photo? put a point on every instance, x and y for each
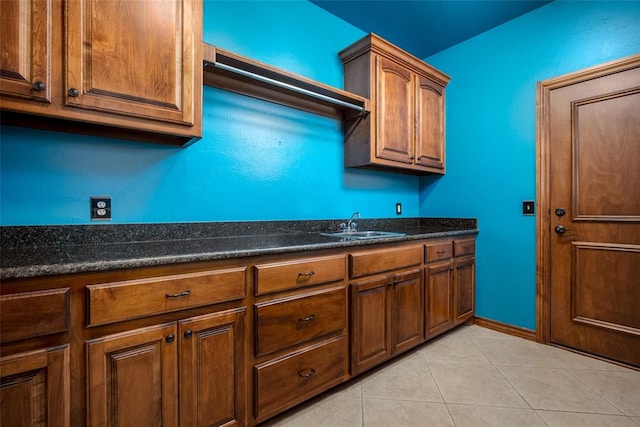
(387, 318)
(299, 331)
(132, 57)
(298, 273)
(394, 101)
(141, 377)
(283, 382)
(35, 388)
(25, 51)
(464, 285)
(405, 131)
(132, 378)
(293, 320)
(130, 299)
(34, 314)
(450, 284)
(133, 67)
(212, 369)
(439, 292)
(430, 108)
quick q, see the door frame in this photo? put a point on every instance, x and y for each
(543, 181)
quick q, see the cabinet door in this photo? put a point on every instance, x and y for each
(439, 287)
(429, 123)
(136, 58)
(25, 51)
(371, 324)
(34, 388)
(395, 124)
(464, 290)
(212, 384)
(408, 311)
(132, 378)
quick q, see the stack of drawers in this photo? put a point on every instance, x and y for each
(300, 321)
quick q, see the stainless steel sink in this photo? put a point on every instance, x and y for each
(361, 235)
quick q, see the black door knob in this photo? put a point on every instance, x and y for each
(73, 92)
(170, 338)
(188, 333)
(560, 229)
(39, 86)
(560, 212)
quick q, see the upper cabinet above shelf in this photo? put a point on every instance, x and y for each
(232, 72)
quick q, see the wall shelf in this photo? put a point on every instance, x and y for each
(236, 73)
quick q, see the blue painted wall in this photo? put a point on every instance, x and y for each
(256, 161)
(491, 134)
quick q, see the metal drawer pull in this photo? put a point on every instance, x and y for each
(307, 319)
(181, 294)
(309, 374)
(309, 274)
(441, 252)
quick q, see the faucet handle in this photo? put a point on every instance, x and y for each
(343, 226)
(354, 226)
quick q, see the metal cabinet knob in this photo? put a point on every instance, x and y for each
(560, 229)
(73, 92)
(39, 86)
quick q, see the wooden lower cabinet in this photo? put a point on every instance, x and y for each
(464, 289)
(212, 370)
(35, 388)
(134, 378)
(175, 346)
(283, 382)
(450, 284)
(387, 318)
(439, 279)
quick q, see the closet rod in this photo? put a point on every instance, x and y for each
(290, 87)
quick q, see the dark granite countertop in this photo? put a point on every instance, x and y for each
(50, 250)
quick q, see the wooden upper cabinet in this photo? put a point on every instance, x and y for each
(405, 130)
(124, 69)
(132, 57)
(429, 124)
(394, 99)
(25, 52)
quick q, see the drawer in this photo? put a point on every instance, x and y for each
(280, 276)
(289, 321)
(384, 260)
(464, 247)
(283, 382)
(439, 250)
(117, 301)
(34, 314)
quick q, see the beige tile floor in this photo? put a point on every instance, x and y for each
(475, 376)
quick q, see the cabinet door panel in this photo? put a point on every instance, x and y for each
(439, 283)
(120, 60)
(212, 385)
(429, 123)
(395, 129)
(464, 290)
(25, 51)
(409, 312)
(132, 378)
(371, 325)
(34, 388)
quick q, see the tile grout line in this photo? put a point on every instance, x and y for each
(594, 391)
(426, 363)
(507, 380)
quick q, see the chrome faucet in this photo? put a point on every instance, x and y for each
(350, 226)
